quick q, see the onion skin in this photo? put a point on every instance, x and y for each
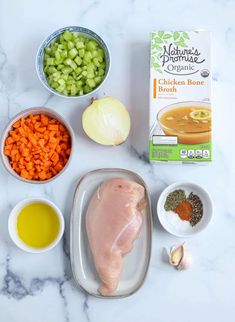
(106, 121)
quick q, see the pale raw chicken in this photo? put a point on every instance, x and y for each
(113, 223)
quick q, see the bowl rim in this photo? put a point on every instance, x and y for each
(16, 117)
(13, 218)
(83, 30)
(175, 105)
(176, 185)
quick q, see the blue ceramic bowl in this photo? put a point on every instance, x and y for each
(46, 42)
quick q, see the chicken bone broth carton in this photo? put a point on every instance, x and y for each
(180, 109)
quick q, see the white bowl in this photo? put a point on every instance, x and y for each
(171, 221)
(23, 114)
(51, 38)
(12, 225)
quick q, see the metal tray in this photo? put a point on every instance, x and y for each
(136, 263)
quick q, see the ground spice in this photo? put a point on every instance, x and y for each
(184, 210)
(197, 209)
(174, 199)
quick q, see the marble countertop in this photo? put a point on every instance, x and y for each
(40, 287)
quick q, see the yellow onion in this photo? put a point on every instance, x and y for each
(106, 121)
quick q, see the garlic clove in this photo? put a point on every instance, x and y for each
(176, 255)
(186, 261)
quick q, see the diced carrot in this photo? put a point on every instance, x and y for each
(42, 175)
(44, 119)
(38, 147)
(53, 127)
(41, 129)
(16, 124)
(9, 141)
(55, 158)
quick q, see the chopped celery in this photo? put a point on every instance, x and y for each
(91, 83)
(67, 35)
(78, 60)
(70, 45)
(74, 64)
(50, 61)
(81, 52)
(73, 53)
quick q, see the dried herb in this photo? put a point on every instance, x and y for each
(197, 208)
(174, 199)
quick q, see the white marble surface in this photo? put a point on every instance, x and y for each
(40, 288)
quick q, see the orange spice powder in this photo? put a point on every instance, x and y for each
(184, 210)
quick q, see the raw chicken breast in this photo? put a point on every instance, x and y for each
(113, 223)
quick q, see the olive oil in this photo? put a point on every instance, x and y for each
(38, 225)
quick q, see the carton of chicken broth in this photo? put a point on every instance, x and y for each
(180, 109)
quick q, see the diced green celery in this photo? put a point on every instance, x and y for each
(66, 70)
(70, 81)
(73, 53)
(91, 83)
(61, 38)
(67, 35)
(58, 61)
(73, 65)
(61, 81)
(73, 90)
(100, 59)
(80, 45)
(57, 55)
(79, 84)
(70, 45)
(100, 72)
(91, 45)
(51, 70)
(90, 74)
(61, 46)
(50, 61)
(68, 61)
(78, 60)
(96, 62)
(101, 52)
(45, 57)
(60, 66)
(81, 52)
(78, 70)
(98, 79)
(54, 84)
(94, 53)
(87, 56)
(56, 76)
(60, 88)
(65, 76)
(48, 50)
(87, 89)
(64, 53)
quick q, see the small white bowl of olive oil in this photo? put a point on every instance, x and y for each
(36, 225)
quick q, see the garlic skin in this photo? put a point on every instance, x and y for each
(180, 257)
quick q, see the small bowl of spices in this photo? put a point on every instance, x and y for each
(184, 209)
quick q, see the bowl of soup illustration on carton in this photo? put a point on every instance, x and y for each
(189, 121)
